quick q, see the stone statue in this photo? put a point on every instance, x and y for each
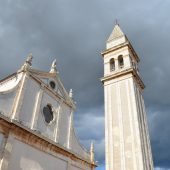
(29, 59)
(54, 67)
(28, 62)
(71, 93)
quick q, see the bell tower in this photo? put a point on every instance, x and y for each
(127, 142)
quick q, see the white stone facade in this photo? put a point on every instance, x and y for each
(126, 132)
(27, 140)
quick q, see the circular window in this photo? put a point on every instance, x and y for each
(48, 113)
(52, 84)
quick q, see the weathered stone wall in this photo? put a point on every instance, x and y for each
(21, 150)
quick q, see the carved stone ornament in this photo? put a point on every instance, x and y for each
(28, 62)
(54, 67)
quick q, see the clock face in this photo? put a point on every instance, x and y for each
(48, 113)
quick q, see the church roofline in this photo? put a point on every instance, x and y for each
(8, 77)
(42, 74)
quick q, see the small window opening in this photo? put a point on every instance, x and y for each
(112, 64)
(48, 113)
(121, 62)
(52, 84)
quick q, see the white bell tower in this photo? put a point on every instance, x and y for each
(126, 131)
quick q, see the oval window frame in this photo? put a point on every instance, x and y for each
(52, 111)
(52, 84)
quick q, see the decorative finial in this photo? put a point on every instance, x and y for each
(71, 93)
(116, 22)
(92, 152)
(54, 67)
(29, 59)
(28, 62)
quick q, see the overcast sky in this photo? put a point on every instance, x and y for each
(74, 32)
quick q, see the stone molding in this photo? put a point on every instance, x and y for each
(9, 128)
(136, 77)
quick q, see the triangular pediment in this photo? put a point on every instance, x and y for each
(53, 83)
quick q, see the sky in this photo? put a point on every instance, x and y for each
(75, 33)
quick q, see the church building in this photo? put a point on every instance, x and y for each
(36, 116)
(36, 123)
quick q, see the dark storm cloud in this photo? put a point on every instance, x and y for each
(90, 127)
(160, 130)
(74, 32)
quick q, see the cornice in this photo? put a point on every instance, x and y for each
(31, 138)
(125, 72)
(127, 43)
(8, 77)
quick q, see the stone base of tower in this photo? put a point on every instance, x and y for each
(127, 144)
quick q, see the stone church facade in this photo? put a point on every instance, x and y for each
(36, 117)
(36, 123)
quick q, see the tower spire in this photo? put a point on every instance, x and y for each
(116, 22)
(116, 33)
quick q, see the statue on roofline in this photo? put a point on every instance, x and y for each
(28, 62)
(54, 67)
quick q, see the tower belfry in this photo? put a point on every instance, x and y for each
(127, 140)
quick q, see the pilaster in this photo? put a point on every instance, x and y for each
(56, 133)
(36, 108)
(7, 152)
(18, 101)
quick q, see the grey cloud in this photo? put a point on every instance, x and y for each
(92, 122)
(90, 127)
(75, 32)
(160, 130)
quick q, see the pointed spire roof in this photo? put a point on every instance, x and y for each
(116, 33)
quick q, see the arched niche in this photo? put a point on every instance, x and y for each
(120, 61)
(112, 64)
